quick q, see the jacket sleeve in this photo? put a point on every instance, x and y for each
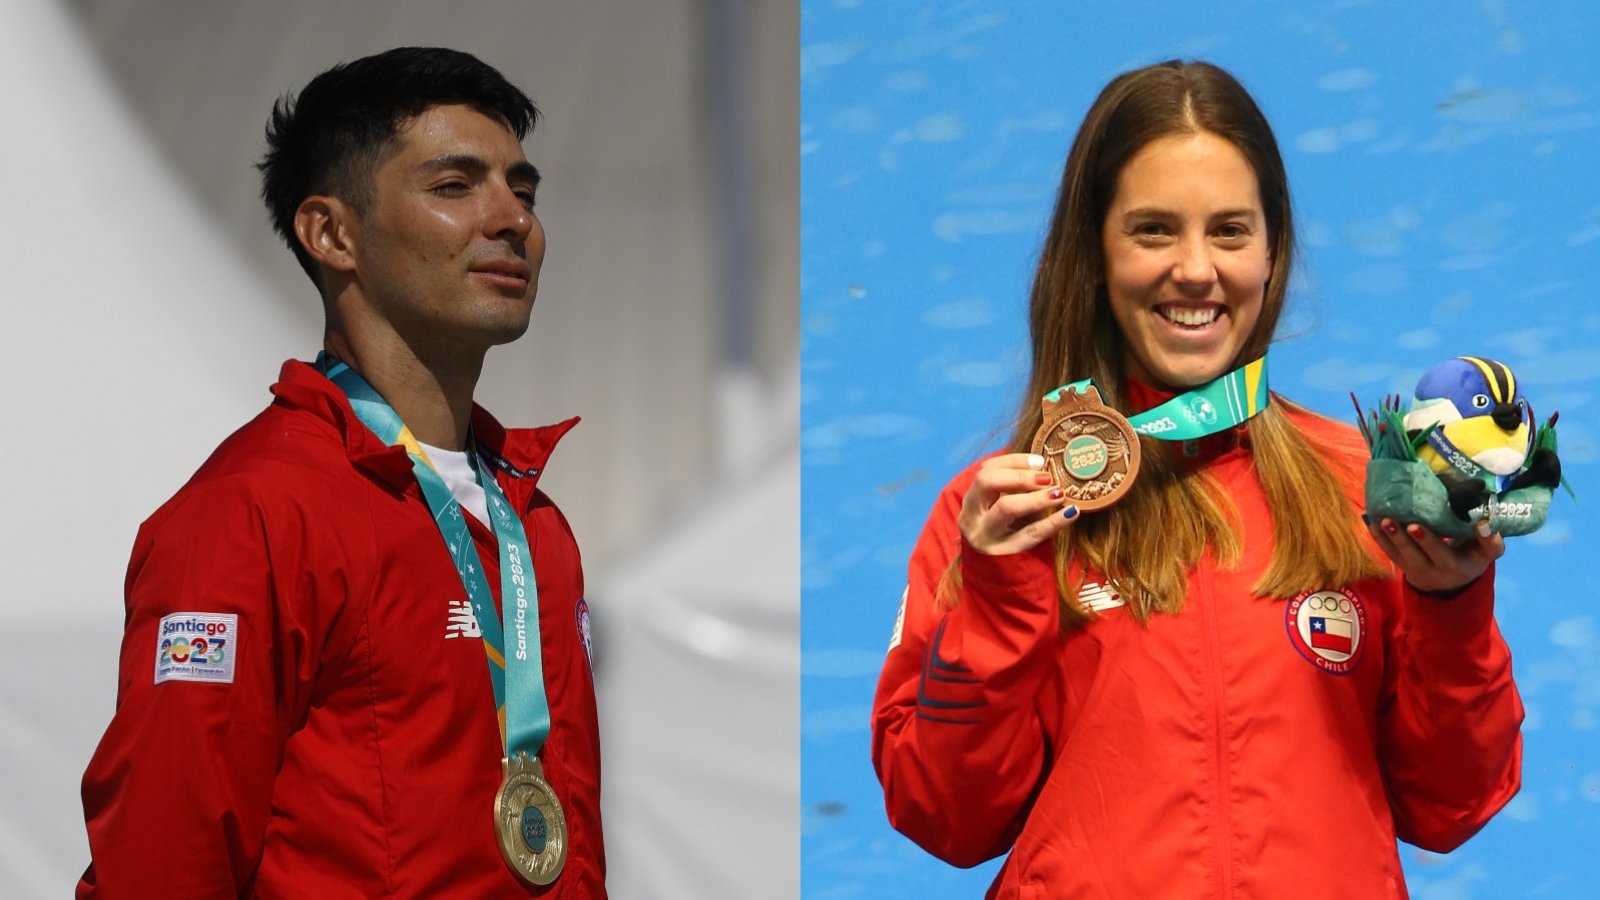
(177, 795)
(1450, 719)
(956, 740)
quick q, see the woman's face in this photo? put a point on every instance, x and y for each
(1186, 258)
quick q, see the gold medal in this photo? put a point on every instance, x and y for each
(1089, 448)
(528, 821)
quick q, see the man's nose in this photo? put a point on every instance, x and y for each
(509, 218)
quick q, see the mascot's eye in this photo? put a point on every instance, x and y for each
(1480, 401)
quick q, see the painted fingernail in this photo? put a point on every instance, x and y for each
(1057, 494)
(1070, 512)
(1414, 530)
(1042, 478)
(1366, 519)
(1388, 526)
(1035, 461)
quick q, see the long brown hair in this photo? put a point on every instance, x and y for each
(1316, 542)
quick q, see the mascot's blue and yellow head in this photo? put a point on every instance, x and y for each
(1480, 412)
(1464, 452)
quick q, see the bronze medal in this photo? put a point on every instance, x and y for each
(529, 823)
(1089, 448)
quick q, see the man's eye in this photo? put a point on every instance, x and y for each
(526, 197)
(451, 187)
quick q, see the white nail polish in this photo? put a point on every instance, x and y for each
(1035, 461)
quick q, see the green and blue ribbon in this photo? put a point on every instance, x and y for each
(516, 669)
(1216, 406)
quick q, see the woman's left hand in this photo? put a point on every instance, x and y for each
(1429, 563)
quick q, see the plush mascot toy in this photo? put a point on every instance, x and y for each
(1465, 450)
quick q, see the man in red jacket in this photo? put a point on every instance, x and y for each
(355, 660)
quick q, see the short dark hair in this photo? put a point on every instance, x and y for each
(331, 139)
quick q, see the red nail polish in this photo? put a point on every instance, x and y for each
(1042, 478)
(1057, 494)
(1388, 526)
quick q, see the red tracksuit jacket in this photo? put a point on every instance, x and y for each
(355, 751)
(1245, 747)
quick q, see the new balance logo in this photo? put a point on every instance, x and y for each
(462, 622)
(1099, 597)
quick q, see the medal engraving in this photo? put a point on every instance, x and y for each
(1089, 449)
(528, 822)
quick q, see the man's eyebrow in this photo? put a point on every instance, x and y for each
(463, 161)
(466, 162)
(524, 171)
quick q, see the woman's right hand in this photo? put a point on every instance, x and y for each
(1013, 505)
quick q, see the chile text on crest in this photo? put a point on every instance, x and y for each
(1328, 628)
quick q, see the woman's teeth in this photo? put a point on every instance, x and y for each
(1194, 318)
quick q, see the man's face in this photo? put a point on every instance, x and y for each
(450, 249)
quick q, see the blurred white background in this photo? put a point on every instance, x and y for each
(149, 307)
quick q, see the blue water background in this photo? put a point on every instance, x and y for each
(1442, 158)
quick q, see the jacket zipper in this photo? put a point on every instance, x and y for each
(1221, 822)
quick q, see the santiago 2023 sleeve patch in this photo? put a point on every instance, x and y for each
(196, 647)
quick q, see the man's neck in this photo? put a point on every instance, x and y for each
(430, 391)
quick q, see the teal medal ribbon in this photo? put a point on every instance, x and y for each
(1091, 451)
(516, 669)
(1216, 406)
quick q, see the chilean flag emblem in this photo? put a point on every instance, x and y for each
(1330, 634)
(1328, 628)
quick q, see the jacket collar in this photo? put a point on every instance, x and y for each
(518, 454)
(1140, 397)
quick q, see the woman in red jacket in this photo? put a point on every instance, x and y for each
(1222, 684)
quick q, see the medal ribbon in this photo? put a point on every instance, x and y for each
(518, 677)
(1228, 401)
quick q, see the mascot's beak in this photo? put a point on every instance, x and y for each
(1507, 415)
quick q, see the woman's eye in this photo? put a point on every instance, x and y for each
(1233, 231)
(1150, 229)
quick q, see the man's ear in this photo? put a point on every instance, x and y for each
(328, 228)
